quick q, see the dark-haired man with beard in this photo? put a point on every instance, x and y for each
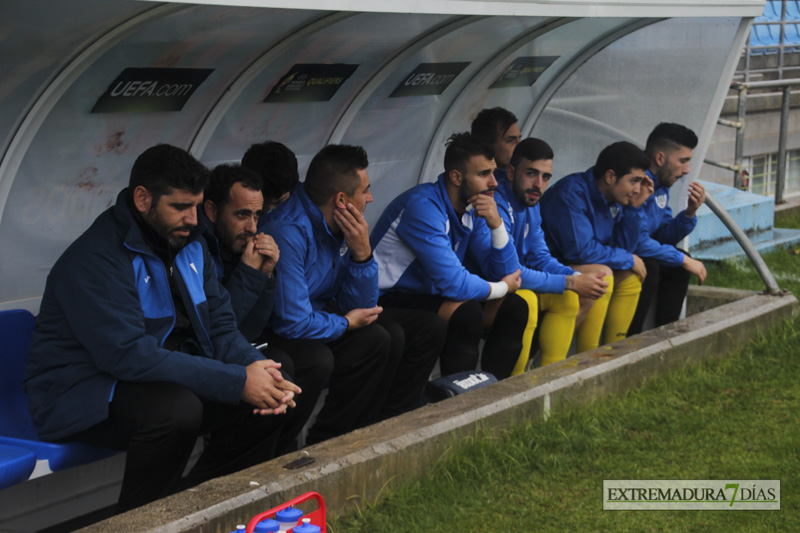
(136, 346)
(564, 295)
(423, 240)
(246, 261)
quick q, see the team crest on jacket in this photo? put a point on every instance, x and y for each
(511, 214)
(527, 229)
(661, 201)
(614, 210)
(343, 249)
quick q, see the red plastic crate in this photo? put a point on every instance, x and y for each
(317, 516)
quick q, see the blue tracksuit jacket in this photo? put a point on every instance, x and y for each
(581, 227)
(252, 292)
(661, 231)
(315, 268)
(420, 245)
(105, 313)
(540, 271)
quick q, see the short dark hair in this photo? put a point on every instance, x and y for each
(224, 177)
(163, 167)
(669, 135)
(277, 166)
(621, 157)
(334, 169)
(531, 149)
(463, 146)
(492, 122)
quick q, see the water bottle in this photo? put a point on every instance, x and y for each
(306, 527)
(268, 525)
(288, 518)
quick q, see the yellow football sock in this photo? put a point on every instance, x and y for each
(558, 324)
(588, 335)
(621, 309)
(530, 327)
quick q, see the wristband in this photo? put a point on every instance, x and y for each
(497, 290)
(499, 237)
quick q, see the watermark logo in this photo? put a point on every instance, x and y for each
(695, 494)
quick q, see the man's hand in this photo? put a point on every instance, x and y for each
(697, 195)
(359, 318)
(266, 393)
(695, 267)
(645, 191)
(250, 257)
(638, 267)
(266, 247)
(356, 231)
(261, 253)
(513, 280)
(486, 208)
(591, 285)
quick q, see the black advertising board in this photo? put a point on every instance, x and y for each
(311, 82)
(143, 90)
(523, 71)
(429, 78)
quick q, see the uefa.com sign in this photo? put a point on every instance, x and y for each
(697, 494)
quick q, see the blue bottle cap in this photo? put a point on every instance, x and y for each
(306, 527)
(268, 525)
(290, 514)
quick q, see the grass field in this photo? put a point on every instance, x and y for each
(734, 417)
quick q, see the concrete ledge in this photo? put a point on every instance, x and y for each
(362, 463)
(700, 299)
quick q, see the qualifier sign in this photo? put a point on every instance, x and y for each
(523, 71)
(314, 82)
(142, 90)
(429, 78)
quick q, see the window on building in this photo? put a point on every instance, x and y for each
(763, 170)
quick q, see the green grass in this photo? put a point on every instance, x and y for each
(730, 418)
(789, 218)
(734, 418)
(784, 263)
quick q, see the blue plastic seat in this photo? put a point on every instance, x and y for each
(765, 35)
(792, 36)
(792, 10)
(16, 465)
(16, 426)
(772, 11)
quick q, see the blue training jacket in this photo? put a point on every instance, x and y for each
(252, 292)
(581, 227)
(106, 311)
(541, 272)
(420, 245)
(661, 232)
(315, 268)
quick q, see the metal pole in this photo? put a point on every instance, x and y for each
(780, 182)
(748, 247)
(737, 174)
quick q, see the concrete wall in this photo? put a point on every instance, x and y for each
(361, 464)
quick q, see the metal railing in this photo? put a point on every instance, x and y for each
(781, 49)
(737, 168)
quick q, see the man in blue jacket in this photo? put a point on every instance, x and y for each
(136, 346)
(327, 290)
(561, 291)
(245, 261)
(277, 166)
(584, 223)
(422, 241)
(669, 269)
(497, 127)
